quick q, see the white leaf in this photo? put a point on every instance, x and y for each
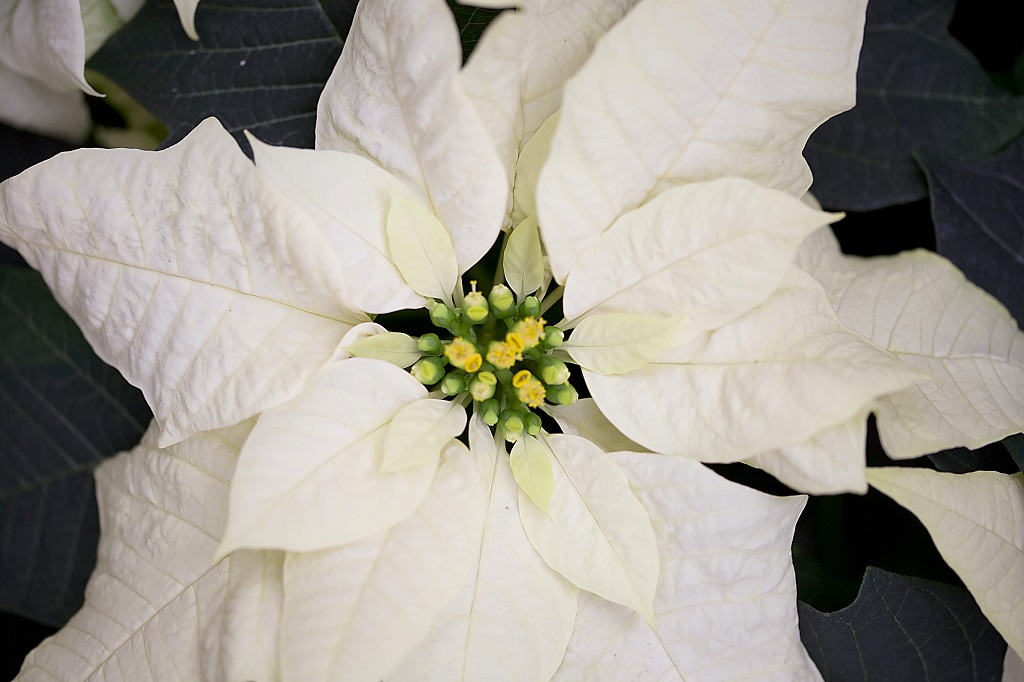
(618, 343)
(187, 16)
(30, 105)
(515, 74)
(399, 349)
(523, 262)
(349, 198)
(528, 167)
(740, 99)
(394, 97)
(184, 272)
(828, 463)
(421, 249)
(919, 307)
(353, 612)
(318, 457)
(419, 432)
(773, 377)
(598, 534)
(45, 40)
(977, 523)
(512, 598)
(156, 601)
(583, 418)
(726, 602)
(709, 251)
(101, 18)
(531, 460)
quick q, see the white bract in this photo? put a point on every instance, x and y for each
(44, 45)
(649, 179)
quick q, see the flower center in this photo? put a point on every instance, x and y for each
(500, 355)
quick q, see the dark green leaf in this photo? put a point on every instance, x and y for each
(918, 89)
(978, 210)
(991, 457)
(259, 65)
(905, 629)
(62, 411)
(1015, 446)
(472, 21)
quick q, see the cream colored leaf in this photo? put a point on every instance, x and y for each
(353, 612)
(740, 99)
(597, 534)
(528, 167)
(156, 601)
(45, 40)
(421, 249)
(711, 625)
(515, 74)
(419, 432)
(185, 272)
(583, 418)
(920, 308)
(828, 463)
(30, 105)
(523, 261)
(395, 98)
(318, 457)
(531, 460)
(774, 377)
(511, 597)
(977, 523)
(617, 343)
(349, 198)
(187, 16)
(101, 18)
(394, 347)
(709, 251)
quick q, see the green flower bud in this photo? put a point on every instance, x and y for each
(511, 424)
(474, 307)
(533, 423)
(564, 394)
(482, 386)
(453, 383)
(553, 337)
(503, 302)
(530, 307)
(490, 411)
(442, 316)
(430, 344)
(553, 371)
(428, 370)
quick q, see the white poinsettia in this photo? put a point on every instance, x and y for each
(655, 177)
(44, 45)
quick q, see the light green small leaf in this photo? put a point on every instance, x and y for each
(394, 347)
(422, 249)
(419, 432)
(524, 263)
(619, 343)
(531, 465)
(977, 523)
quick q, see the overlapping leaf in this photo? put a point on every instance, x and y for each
(918, 90)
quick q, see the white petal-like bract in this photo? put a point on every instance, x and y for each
(977, 523)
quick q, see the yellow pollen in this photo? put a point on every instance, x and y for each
(459, 352)
(501, 355)
(515, 341)
(521, 378)
(531, 392)
(530, 330)
(473, 363)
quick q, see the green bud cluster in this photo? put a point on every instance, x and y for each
(497, 354)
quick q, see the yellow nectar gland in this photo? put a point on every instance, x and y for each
(460, 351)
(473, 363)
(530, 331)
(502, 355)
